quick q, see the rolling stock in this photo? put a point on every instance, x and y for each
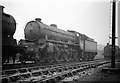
(44, 43)
(108, 51)
(9, 44)
(8, 30)
(49, 43)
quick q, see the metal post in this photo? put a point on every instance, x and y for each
(113, 33)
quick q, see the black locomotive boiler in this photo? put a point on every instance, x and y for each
(49, 43)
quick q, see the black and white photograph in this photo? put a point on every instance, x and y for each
(59, 41)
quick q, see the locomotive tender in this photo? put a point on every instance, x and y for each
(48, 43)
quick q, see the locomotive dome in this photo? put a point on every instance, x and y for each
(31, 31)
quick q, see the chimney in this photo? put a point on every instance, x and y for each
(1, 9)
(38, 19)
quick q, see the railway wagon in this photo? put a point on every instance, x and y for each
(49, 43)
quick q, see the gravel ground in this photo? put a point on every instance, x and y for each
(99, 76)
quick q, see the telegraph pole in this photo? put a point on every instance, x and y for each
(113, 33)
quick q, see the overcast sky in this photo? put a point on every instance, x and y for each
(90, 17)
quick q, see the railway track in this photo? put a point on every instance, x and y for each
(50, 73)
(31, 64)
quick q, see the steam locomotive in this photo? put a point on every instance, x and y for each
(44, 43)
(108, 51)
(49, 43)
(9, 44)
